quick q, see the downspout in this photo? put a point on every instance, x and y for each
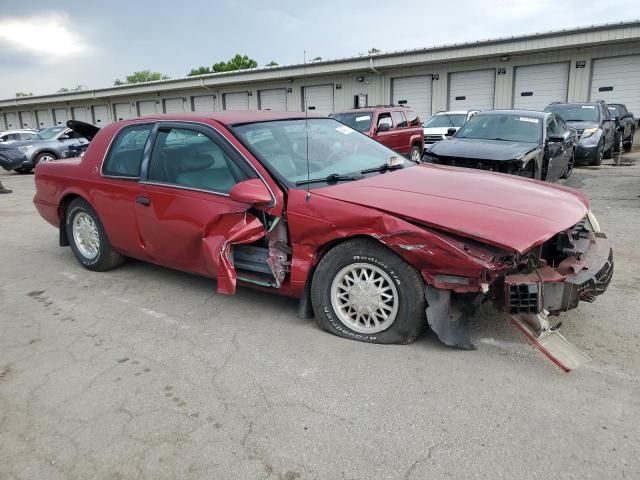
(381, 76)
(215, 93)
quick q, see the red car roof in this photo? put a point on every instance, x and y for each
(230, 117)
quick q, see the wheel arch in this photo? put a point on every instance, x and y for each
(63, 205)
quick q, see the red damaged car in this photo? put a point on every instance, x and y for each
(373, 244)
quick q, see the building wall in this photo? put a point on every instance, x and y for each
(361, 79)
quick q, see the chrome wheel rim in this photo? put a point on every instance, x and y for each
(415, 155)
(364, 298)
(86, 236)
(45, 158)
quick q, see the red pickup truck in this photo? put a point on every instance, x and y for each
(398, 128)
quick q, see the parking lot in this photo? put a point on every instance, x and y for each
(145, 372)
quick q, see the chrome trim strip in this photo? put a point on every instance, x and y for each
(181, 187)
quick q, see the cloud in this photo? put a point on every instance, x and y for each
(47, 37)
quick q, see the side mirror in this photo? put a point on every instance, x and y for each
(451, 131)
(383, 127)
(556, 138)
(64, 137)
(252, 192)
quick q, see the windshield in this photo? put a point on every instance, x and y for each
(48, 133)
(333, 149)
(445, 120)
(511, 128)
(576, 113)
(360, 121)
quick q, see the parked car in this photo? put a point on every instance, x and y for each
(596, 129)
(47, 144)
(625, 126)
(519, 142)
(444, 124)
(85, 131)
(16, 135)
(309, 208)
(396, 127)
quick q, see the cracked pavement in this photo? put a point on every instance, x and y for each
(146, 373)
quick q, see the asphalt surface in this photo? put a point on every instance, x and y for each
(147, 373)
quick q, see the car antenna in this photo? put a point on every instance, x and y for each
(306, 119)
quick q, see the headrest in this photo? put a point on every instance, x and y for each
(193, 163)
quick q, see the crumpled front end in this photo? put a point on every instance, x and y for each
(575, 265)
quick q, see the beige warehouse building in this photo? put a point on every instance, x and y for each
(528, 72)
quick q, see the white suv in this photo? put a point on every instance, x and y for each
(436, 128)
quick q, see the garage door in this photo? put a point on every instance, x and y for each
(44, 118)
(472, 90)
(81, 114)
(319, 98)
(123, 111)
(617, 80)
(12, 120)
(536, 86)
(174, 105)
(147, 108)
(26, 120)
(203, 103)
(60, 116)
(274, 99)
(100, 115)
(414, 92)
(236, 101)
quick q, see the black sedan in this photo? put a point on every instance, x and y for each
(520, 142)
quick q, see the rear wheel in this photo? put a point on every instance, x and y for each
(617, 142)
(609, 153)
(88, 239)
(365, 292)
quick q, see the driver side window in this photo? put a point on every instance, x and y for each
(385, 119)
(187, 158)
(552, 127)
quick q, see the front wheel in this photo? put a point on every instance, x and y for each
(363, 291)
(88, 239)
(628, 144)
(416, 154)
(572, 160)
(597, 161)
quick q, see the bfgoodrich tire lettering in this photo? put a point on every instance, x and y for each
(106, 258)
(407, 283)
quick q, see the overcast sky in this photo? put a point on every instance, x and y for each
(45, 45)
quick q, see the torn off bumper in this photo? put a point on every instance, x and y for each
(549, 289)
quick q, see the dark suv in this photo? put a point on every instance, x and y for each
(625, 126)
(596, 128)
(399, 128)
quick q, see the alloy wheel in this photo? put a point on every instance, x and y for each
(364, 298)
(86, 236)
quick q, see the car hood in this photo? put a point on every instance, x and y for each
(502, 210)
(87, 130)
(437, 130)
(482, 149)
(583, 125)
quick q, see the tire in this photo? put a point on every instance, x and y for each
(570, 164)
(609, 153)
(596, 162)
(415, 154)
(44, 157)
(626, 146)
(105, 258)
(617, 142)
(406, 308)
(23, 170)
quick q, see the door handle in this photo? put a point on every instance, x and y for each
(143, 201)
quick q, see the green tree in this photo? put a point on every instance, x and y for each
(199, 71)
(373, 51)
(272, 63)
(141, 77)
(24, 94)
(317, 59)
(239, 62)
(78, 88)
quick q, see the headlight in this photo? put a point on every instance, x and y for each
(588, 132)
(25, 148)
(595, 226)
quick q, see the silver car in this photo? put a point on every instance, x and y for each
(45, 145)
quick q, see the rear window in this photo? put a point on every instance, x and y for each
(398, 118)
(412, 118)
(125, 155)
